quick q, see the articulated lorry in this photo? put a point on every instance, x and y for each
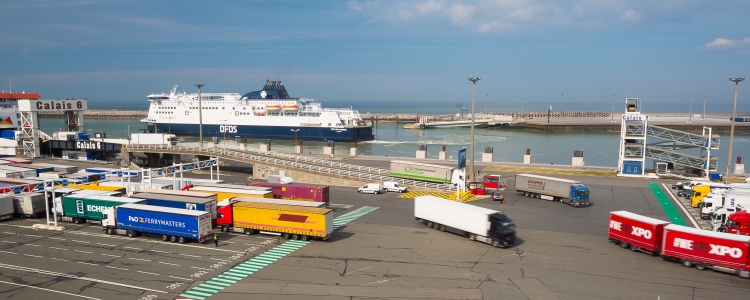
(737, 223)
(474, 222)
(289, 221)
(172, 224)
(305, 192)
(568, 191)
(690, 246)
(81, 208)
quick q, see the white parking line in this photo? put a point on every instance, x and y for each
(55, 258)
(51, 273)
(111, 267)
(33, 245)
(139, 259)
(9, 232)
(204, 269)
(190, 255)
(34, 255)
(147, 273)
(181, 278)
(169, 264)
(9, 242)
(85, 263)
(8, 252)
(58, 248)
(49, 290)
(81, 241)
(106, 245)
(83, 251)
(132, 248)
(33, 235)
(56, 238)
(160, 251)
(112, 255)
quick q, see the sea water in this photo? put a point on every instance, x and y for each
(599, 149)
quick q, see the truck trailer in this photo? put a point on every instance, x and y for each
(207, 204)
(226, 193)
(690, 246)
(153, 139)
(572, 192)
(474, 222)
(29, 205)
(6, 207)
(291, 222)
(24, 172)
(305, 192)
(172, 224)
(424, 172)
(81, 208)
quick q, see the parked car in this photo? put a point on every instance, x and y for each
(496, 196)
(684, 193)
(390, 186)
(371, 188)
(680, 185)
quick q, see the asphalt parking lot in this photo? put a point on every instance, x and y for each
(562, 253)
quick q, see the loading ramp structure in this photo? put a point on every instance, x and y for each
(667, 150)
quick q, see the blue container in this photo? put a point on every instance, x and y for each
(164, 221)
(714, 176)
(8, 134)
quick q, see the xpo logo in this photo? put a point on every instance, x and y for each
(228, 129)
(637, 231)
(724, 250)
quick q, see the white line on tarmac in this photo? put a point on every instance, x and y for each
(9, 232)
(33, 245)
(106, 245)
(381, 281)
(190, 255)
(83, 251)
(58, 248)
(147, 273)
(169, 264)
(50, 273)
(111, 267)
(49, 290)
(690, 217)
(55, 258)
(181, 278)
(112, 255)
(139, 259)
(33, 235)
(81, 241)
(160, 251)
(57, 238)
(9, 242)
(34, 255)
(193, 268)
(152, 241)
(8, 252)
(132, 248)
(85, 263)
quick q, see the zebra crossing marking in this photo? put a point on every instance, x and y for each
(255, 264)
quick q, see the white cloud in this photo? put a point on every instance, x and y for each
(461, 14)
(631, 16)
(722, 44)
(404, 14)
(428, 7)
(356, 5)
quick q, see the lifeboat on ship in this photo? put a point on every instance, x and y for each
(291, 107)
(273, 107)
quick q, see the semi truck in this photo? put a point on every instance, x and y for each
(29, 205)
(6, 207)
(289, 221)
(153, 139)
(82, 208)
(690, 246)
(474, 222)
(207, 204)
(306, 192)
(726, 199)
(568, 191)
(172, 224)
(226, 193)
(424, 172)
(737, 223)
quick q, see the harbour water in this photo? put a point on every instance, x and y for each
(600, 149)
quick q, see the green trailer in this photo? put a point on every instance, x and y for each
(79, 208)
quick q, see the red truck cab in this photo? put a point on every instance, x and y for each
(492, 181)
(224, 217)
(739, 223)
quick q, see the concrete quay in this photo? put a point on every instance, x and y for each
(115, 114)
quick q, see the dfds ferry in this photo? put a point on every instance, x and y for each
(266, 114)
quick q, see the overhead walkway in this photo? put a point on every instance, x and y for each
(696, 140)
(667, 151)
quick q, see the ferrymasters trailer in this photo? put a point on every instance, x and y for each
(81, 208)
(424, 172)
(306, 192)
(690, 246)
(474, 222)
(172, 224)
(568, 191)
(207, 204)
(291, 222)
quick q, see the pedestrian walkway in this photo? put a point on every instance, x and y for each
(463, 196)
(255, 264)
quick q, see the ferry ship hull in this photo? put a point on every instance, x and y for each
(318, 134)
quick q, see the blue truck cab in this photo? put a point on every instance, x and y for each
(580, 194)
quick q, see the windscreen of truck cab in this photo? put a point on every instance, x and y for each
(582, 192)
(501, 221)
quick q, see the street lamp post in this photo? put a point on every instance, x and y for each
(562, 98)
(471, 146)
(704, 108)
(200, 113)
(613, 109)
(521, 107)
(690, 119)
(295, 143)
(485, 104)
(731, 130)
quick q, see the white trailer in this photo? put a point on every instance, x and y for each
(29, 205)
(568, 191)
(422, 171)
(6, 207)
(25, 172)
(153, 139)
(474, 222)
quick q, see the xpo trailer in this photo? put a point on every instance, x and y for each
(476, 223)
(706, 249)
(81, 208)
(636, 232)
(568, 191)
(291, 222)
(172, 224)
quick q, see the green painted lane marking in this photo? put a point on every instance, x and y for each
(666, 204)
(255, 264)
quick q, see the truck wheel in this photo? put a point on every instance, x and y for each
(429, 224)
(173, 239)
(109, 230)
(435, 226)
(700, 266)
(472, 237)
(285, 235)
(248, 231)
(686, 263)
(360, 192)
(223, 228)
(295, 237)
(181, 240)
(633, 248)
(130, 233)
(495, 243)
(305, 238)
(442, 227)
(624, 245)
(164, 237)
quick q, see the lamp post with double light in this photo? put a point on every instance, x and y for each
(471, 146)
(731, 130)
(200, 113)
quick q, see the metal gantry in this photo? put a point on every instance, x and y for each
(696, 140)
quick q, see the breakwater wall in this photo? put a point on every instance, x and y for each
(413, 118)
(112, 114)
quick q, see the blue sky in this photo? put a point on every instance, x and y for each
(409, 55)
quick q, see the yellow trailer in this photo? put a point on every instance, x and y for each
(293, 222)
(226, 193)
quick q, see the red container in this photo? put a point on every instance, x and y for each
(302, 192)
(708, 247)
(491, 181)
(643, 232)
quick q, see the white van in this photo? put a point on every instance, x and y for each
(371, 188)
(391, 186)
